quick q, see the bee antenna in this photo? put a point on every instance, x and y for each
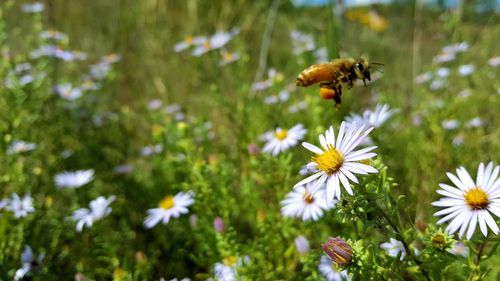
(376, 63)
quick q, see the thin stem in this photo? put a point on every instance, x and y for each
(266, 41)
(475, 271)
(400, 237)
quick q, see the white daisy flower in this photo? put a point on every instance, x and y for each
(443, 72)
(282, 139)
(302, 42)
(19, 146)
(217, 41)
(337, 162)
(188, 42)
(450, 124)
(424, 77)
(394, 248)
(330, 270)
(466, 69)
(68, 92)
(35, 7)
(20, 207)
(170, 206)
(373, 118)
(460, 250)
(456, 48)
(469, 204)
(151, 149)
(444, 57)
(475, 122)
(29, 263)
(494, 61)
(53, 35)
(154, 104)
(302, 203)
(437, 84)
(74, 179)
(228, 57)
(99, 208)
(302, 244)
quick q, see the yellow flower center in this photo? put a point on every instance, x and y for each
(188, 39)
(230, 260)
(167, 202)
(281, 134)
(228, 57)
(477, 199)
(330, 161)
(308, 198)
(438, 240)
(207, 45)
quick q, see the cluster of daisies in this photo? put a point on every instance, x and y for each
(200, 45)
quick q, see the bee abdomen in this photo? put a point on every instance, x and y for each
(315, 74)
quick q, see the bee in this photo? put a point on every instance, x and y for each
(333, 75)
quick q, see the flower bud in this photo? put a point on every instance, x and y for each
(338, 250)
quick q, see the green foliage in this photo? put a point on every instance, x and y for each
(210, 146)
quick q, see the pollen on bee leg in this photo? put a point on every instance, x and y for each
(326, 93)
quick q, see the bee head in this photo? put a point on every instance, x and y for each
(362, 70)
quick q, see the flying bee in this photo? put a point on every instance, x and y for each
(333, 75)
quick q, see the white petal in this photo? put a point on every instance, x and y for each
(308, 179)
(345, 183)
(312, 148)
(457, 181)
(491, 223)
(472, 225)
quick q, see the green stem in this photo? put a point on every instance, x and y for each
(476, 272)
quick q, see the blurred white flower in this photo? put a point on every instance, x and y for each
(294, 108)
(29, 263)
(456, 48)
(19, 146)
(281, 140)
(302, 42)
(466, 69)
(99, 208)
(444, 57)
(217, 41)
(228, 57)
(170, 206)
(394, 248)
(152, 149)
(188, 42)
(330, 271)
(68, 92)
(470, 203)
(443, 72)
(424, 77)
(460, 249)
(53, 35)
(458, 140)
(302, 244)
(450, 124)
(321, 55)
(437, 84)
(494, 61)
(374, 118)
(172, 108)
(154, 104)
(303, 203)
(474, 123)
(123, 169)
(464, 93)
(73, 179)
(20, 207)
(35, 7)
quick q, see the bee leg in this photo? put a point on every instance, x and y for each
(337, 97)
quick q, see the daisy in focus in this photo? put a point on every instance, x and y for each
(99, 208)
(337, 162)
(74, 179)
(301, 203)
(330, 271)
(281, 140)
(468, 204)
(170, 206)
